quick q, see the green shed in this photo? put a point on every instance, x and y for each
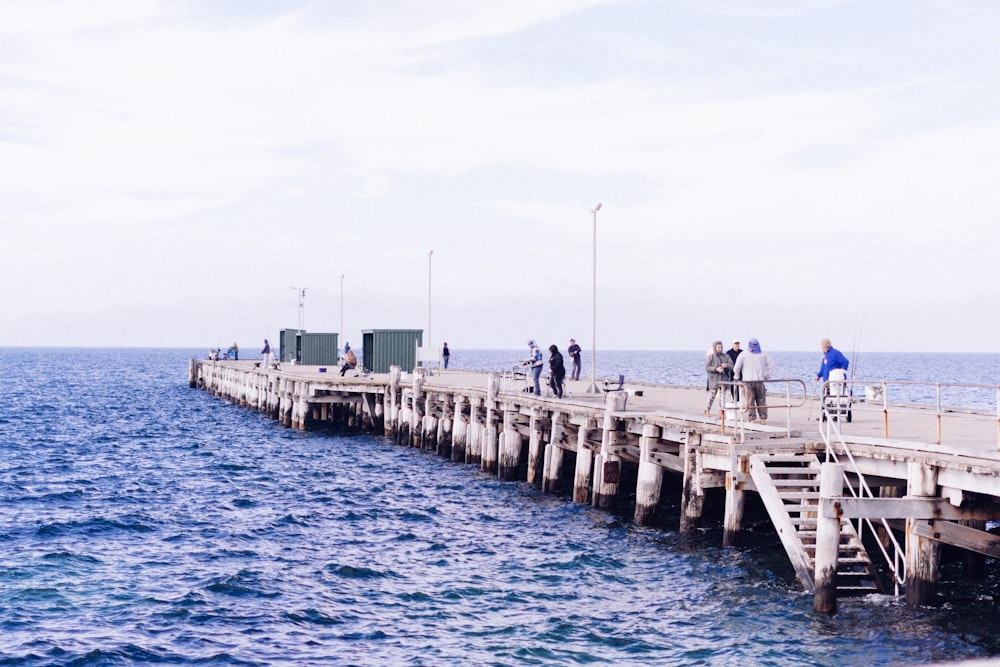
(290, 344)
(314, 349)
(319, 349)
(381, 348)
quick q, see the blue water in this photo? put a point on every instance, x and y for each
(143, 522)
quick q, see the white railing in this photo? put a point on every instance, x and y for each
(739, 407)
(829, 429)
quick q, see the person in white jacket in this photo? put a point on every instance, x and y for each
(753, 367)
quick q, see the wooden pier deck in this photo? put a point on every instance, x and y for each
(859, 506)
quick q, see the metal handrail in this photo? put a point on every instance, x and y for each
(897, 560)
(882, 389)
(787, 405)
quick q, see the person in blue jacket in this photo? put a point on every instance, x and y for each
(832, 358)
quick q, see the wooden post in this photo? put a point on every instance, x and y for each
(193, 373)
(509, 458)
(553, 455)
(535, 449)
(650, 482)
(584, 474)
(428, 438)
(607, 467)
(417, 416)
(692, 498)
(831, 485)
(444, 427)
(474, 453)
(403, 436)
(735, 502)
(391, 404)
(923, 554)
(552, 468)
(459, 431)
(489, 450)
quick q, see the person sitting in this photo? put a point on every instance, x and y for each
(350, 360)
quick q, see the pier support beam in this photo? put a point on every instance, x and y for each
(650, 481)
(923, 554)
(474, 444)
(509, 458)
(735, 502)
(607, 467)
(489, 451)
(553, 457)
(459, 430)
(831, 485)
(444, 427)
(584, 474)
(692, 497)
(535, 448)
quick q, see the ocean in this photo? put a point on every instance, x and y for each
(146, 523)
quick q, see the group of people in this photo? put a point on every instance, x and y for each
(754, 370)
(557, 367)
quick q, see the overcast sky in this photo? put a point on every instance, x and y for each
(170, 171)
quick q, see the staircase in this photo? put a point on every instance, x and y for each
(789, 486)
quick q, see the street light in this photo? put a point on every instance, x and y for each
(301, 291)
(592, 389)
(341, 305)
(429, 255)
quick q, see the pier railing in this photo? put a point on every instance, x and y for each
(878, 392)
(892, 551)
(736, 409)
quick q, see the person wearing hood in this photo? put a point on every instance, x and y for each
(534, 360)
(719, 367)
(754, 367)
(557, 370)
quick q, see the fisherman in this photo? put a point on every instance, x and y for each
(754, 368)
(719, 367)
(832, 359)
(534, 360)
(350, 360)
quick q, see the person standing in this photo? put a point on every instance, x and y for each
(534, 361)
(557, 370)
(754, 369)
(719, 367)
(266, 354)
(832, 359)
(234, 352)
(446, 355)
(574, 354)
(733, 353)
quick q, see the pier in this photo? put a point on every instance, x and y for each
(863, 494)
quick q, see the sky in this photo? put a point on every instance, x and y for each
(173, 174)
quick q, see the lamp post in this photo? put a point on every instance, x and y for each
(429, 256)
(301, 291)
(592, 389)
(341, 305)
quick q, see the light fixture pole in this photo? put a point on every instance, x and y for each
(342, 307)
(592, 389)
(429, 256)
(301, 291)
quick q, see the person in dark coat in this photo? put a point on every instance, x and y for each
(574, 354)
(557, 371)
